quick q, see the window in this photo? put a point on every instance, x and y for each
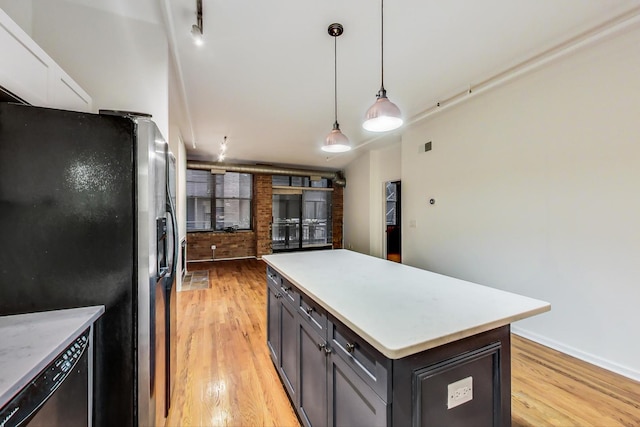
(226, 196)
(299, 181)
(199, 195)
(233, 200)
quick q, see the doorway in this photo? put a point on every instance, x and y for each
(393, 220)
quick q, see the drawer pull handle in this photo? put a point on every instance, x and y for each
(309, 311)
(321, 346)
(351, 348)
(327, 351)
(287, 289)
(278, 295)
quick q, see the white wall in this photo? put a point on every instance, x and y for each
(356, 204)
(176, 145)
(20, 12)
(536, 188)
(364, 195)
(121, 62)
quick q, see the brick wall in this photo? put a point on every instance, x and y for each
(263, 212)
(337, 216)
(228, 245)
(257, 242)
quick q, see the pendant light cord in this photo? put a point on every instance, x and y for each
(382, 45)
(335, 77)
(199, 14)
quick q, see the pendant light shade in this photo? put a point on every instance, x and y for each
(336, 141)
(383, 115)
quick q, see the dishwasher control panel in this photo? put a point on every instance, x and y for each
(27, 402)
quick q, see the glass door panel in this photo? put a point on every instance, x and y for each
(286, 221)
(316, 214)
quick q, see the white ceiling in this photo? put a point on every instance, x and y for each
(264, 77)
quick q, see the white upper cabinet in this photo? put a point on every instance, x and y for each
(27, 71)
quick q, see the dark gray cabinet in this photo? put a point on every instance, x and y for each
(352, 402)
(273, 323)
(365, 361)
(282, 300)
(326, 387)
(289, 356)
(312, 359)
(335, 378)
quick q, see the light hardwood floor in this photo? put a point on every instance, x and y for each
(226, 378)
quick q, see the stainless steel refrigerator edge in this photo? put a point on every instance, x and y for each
(151, 167)
(171, 319)
(157, 255)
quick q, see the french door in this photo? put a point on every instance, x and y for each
(301, 219)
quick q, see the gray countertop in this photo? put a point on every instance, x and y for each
(29, 342)
(398, 309)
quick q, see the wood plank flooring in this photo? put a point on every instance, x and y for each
(550, 388)
(226, 378)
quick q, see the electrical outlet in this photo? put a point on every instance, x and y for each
(459, 392)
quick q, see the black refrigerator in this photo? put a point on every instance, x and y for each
(87, 217)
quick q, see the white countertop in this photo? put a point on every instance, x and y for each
(29, 342)
(400, 310)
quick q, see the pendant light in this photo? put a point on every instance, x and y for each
(336, 141)
(383, 115)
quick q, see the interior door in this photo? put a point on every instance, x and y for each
(393, 221)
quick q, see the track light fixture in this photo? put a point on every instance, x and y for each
(336, 141)
(196, 29)
(223, 150)
(383, 115)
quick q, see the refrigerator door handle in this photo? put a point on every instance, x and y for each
(161, 231)
(164, 271)
(171, 210)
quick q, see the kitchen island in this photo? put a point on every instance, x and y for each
(358, 340)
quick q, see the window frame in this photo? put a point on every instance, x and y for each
(214, 198)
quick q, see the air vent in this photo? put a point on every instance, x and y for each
(423, 148)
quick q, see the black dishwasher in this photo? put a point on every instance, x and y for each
(58, 395)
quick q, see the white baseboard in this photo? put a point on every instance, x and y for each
(234, 258)
(221, 259)
(578, 354)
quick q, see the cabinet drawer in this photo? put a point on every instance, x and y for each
(290, 293)
(273, 277)
(314, 315)
(283, 288)
(368, 363)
